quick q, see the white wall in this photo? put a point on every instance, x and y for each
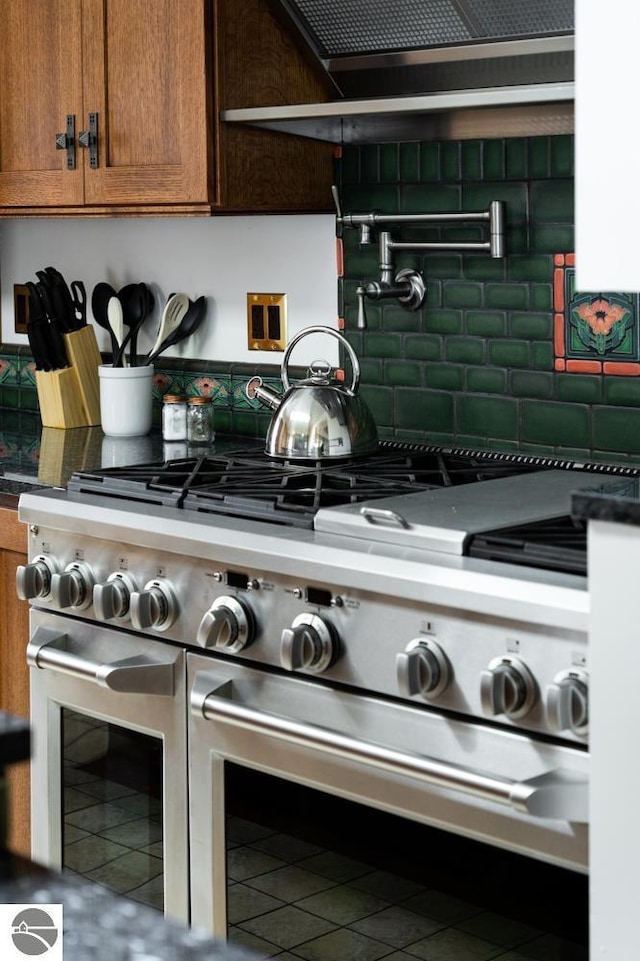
(223, 258)
(607, 145)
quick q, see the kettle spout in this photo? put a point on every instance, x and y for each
(254, 388)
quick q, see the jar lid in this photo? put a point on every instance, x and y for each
(199, 400)
(173, 399)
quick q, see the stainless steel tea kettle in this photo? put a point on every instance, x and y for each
(317, 418)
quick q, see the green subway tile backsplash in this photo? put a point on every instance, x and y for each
(402, 373)
(581, 389)
(444, 321)
(616, 429)
(427, 410)
(557, 424)
(624, 391)
(444, 377)
(482, 346)
(508, 353)
(531, 383)
(465, 350)
(516, 159)
(426, 347)
(487, 380)
(551, 201)
(486, 323)
(532, 326)
(487, 416)
(461, 294)
(471, 159)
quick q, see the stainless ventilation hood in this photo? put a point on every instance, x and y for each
(430, 68)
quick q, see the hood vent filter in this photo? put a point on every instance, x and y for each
(353, 27)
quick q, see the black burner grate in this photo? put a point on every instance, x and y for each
(251, 484)
(558, 544)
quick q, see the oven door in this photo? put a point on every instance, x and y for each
(496, 786)
(108, 718)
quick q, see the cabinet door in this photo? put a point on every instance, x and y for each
(146, 76)
(40, 83)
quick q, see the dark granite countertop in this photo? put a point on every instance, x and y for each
(35, 456)
(101, 926)
(615, 499)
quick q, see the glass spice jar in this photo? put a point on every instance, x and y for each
(199, 426)
(174, 417)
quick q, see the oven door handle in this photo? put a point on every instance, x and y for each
(560, 794)
(139, 674)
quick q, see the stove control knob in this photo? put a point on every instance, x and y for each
(568, 702)
(423, 669)
(34, 579)
(112, 600)
(507, 687)
(73, 587)
(156, 606)
(227, 626)
(309, 645)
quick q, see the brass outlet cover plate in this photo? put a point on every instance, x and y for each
(266, 322)
(20, 308)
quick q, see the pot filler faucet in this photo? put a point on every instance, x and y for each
(407, 285)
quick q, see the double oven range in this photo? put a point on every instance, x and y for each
(212, 636)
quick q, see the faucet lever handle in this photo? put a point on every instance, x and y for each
(361, 323)
(336, 200)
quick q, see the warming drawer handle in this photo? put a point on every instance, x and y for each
(139, 674)
(383, 515)
(560, 794)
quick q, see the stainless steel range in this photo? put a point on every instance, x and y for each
(407, 631)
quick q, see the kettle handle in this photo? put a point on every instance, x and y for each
(355, 366)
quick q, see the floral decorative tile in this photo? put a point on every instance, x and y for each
(594, 333)
(9, 371)
(208, 385)
(165, 382)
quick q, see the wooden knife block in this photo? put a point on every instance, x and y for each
(70, 397)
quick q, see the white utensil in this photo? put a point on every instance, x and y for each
(115, 317)
(175, 309)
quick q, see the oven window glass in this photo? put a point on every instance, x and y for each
(313, 876)
(112, 806)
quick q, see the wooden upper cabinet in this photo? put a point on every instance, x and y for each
(151, 79)
(147, 80)
(40, 83)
